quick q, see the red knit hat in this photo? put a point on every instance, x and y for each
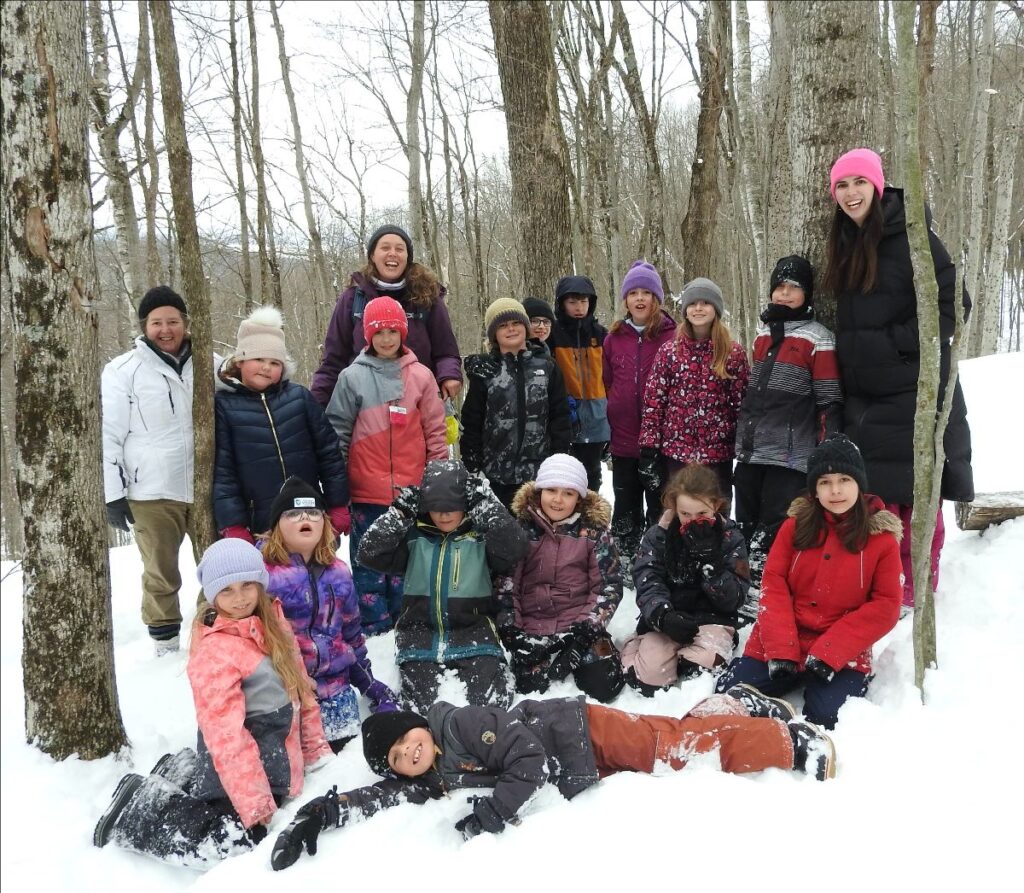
(384, 313)
(858, 163)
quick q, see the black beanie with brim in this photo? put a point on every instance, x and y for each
(382, 730)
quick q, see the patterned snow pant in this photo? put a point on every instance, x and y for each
(380, 595)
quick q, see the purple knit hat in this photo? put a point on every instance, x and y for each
(643, 275)
(858, 163)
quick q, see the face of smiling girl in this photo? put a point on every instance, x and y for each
(854, 195)
(412, 755)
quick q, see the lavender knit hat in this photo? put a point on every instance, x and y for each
(562, 470)
(642, 275)
(230, 561)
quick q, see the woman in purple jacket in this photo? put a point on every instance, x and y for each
(629, 351)
(391, 272)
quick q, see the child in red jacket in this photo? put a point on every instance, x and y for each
(259, 727)
(831, 589)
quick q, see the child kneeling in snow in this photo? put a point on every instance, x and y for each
(556, 603)
(259, 728)
(564, 741)
(447, 537)
(316, 593)
(831, 588)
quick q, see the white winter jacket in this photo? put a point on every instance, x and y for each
(148, 448)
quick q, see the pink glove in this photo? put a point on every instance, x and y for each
(238, 532)
(341, 520)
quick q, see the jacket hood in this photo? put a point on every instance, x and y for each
(894, 211)
(384, 366)
(594, 511)
(880, 519)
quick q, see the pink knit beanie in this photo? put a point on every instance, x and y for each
(858, 163)
(384, 313)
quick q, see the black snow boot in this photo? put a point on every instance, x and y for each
(124, 792)
(813, 751)
(760, 705)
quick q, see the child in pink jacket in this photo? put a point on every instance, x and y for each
(259, 727)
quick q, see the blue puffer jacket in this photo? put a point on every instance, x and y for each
(262, 440)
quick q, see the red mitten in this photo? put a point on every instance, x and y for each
(341, 520)
(238, 532)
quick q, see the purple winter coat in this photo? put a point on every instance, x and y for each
(430, 337)
(323, 610)
(626, 366)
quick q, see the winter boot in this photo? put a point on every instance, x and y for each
(813, 751)
(124, 792)
(178, 768)
(163, 647)
(760, 705)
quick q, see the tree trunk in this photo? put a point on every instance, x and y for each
(413, 101)
(821, 103)
(256, 143)
(179, 165)
(538, 159)
(236, 128)
(150, 186)
(49, 274)
(750, 184)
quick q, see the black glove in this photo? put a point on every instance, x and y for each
(478, 491)
(525, 649)
(328, 811)
(678, 627)
(703, 541)
(484, 817)
(819, 668)
(408, 501)
(578, 642)
(649, 469)
(119, 514)
(781, 670)
(257, 833)
(469, 827)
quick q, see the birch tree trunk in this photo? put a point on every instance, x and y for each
(749, 183)
(413, 101)
(197, 297)
(538, 159)
(256, 143)
(49, 277)
(236, 129)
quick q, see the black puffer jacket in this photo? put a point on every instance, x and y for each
(262, 440)
(515, 415)
(879, 360)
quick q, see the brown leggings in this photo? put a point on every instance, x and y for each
(637, 743)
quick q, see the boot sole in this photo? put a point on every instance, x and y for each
(830, 758)
(126, 787)
(782, 704)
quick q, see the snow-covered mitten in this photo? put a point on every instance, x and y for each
(703, 540)
(328, 811)
(819, 668)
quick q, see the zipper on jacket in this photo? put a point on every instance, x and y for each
(170, 396)
(456, 562)
(314, 613)
(520, 363)
(438, 580)
(273, 430)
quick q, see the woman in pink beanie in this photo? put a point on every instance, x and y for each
(868, 269)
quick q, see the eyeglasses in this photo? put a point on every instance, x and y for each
(541, 322)
(303, 514)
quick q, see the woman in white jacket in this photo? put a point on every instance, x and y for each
(148, 453)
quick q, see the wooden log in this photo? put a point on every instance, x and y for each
(989, 508)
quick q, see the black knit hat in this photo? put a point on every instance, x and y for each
(443, 487)
(382, 730)
(837, 454)
(536, 307)
(389, 229)
(795, 269)
(295, 494)
(161, 296)
(575, 285)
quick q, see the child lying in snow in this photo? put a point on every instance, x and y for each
(566, 741)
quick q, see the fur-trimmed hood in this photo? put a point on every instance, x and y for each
(881, 520)
(594, 511)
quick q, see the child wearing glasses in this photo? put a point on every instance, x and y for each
(315, 589)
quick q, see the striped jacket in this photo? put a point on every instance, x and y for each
(794, 399)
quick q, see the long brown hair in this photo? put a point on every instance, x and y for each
(276, 552)
(651, 330)
(696, 481)
(422, 286)
(853, 528)
(851, 253)
(278, 644)
(721, 342)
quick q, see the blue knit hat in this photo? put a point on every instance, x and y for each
(230, 561)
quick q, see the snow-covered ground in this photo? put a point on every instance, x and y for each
(926, 796)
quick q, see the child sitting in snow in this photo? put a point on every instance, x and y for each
(831, 588)
(315, 589)
(565, 741)
(259, 727)
(691, 577)
(447, 537)
(556, 603)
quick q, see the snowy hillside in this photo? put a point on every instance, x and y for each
(926, 797)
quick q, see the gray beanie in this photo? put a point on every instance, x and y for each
(230, 561)
(701, 289)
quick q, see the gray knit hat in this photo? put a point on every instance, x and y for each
(562, 470)
(230, 561)
(701, 289)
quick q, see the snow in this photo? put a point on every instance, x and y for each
(988, 384)
(925, 795)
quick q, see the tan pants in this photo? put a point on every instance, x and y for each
(160, 526)
(628, 742)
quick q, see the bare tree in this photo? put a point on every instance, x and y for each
(49, 277)
(236, 131)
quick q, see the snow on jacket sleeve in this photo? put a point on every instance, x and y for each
(369, 800)
(431, 409)
(505, 541)
(332, 472)
(383, 547)
(859, 629)
(338, 352)
(229, 508)
(220, 712)
(776, 622)
(728, 589)
(559, 421)
(474, 409)
(342, 411)
(116, 412)
(649, 574)
(444, 349)
(652, 418)
(605, 579)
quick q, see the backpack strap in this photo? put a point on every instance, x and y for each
(358, 304)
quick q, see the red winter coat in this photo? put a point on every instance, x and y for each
(689, 412)
(827, 601)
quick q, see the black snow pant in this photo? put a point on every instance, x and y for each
(590, 455)
(763, 496)
(486, 678)
(629, 521)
